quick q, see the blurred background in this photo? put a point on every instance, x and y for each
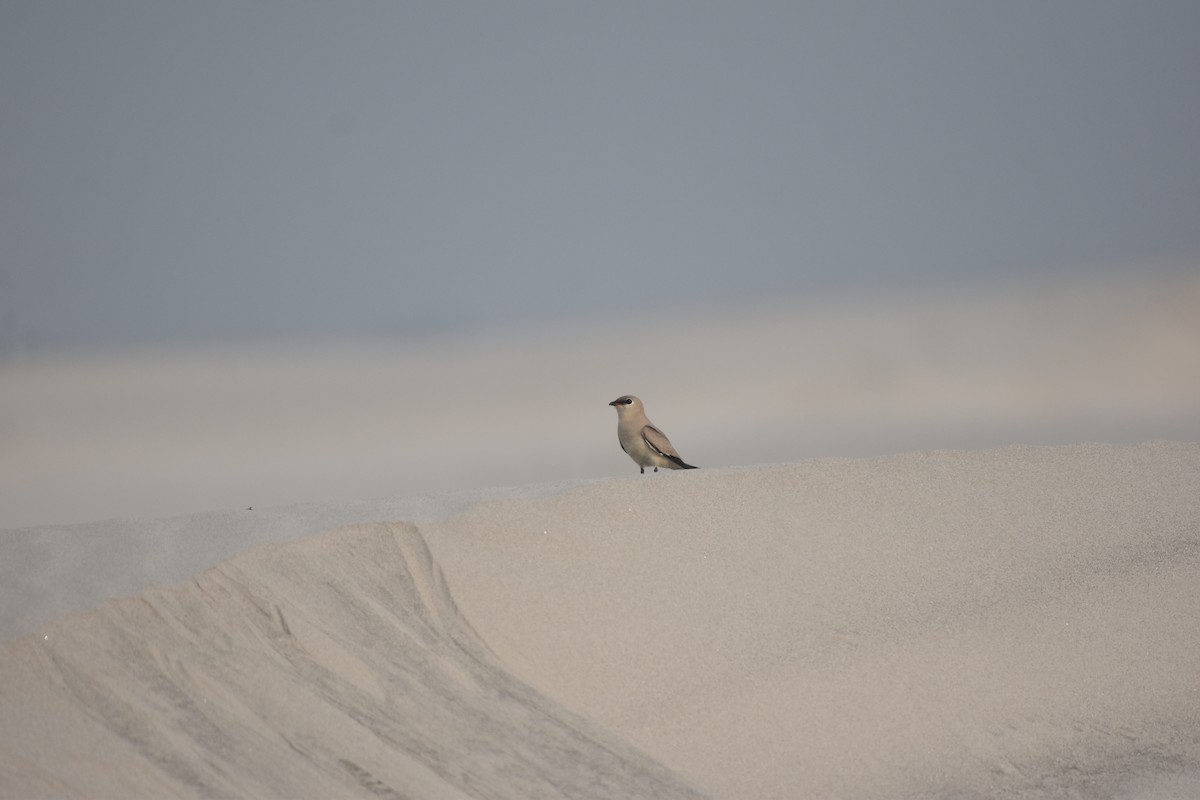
(257, 254)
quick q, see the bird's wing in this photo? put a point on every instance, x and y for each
(658, 442)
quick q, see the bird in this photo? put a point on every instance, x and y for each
(644, 443)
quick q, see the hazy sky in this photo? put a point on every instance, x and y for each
(182, 171)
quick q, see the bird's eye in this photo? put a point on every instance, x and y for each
(627, 401)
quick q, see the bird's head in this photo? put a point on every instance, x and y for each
(625, 404)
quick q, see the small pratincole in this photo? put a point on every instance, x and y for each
(645, 444)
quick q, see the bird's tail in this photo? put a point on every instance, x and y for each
(680, 464)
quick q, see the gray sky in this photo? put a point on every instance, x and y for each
(174, 171)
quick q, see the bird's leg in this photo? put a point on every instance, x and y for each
(643, 469)
(656, 469)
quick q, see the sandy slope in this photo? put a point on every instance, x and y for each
(1021, 622)
(333, 667)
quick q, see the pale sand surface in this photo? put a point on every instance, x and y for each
(1014, 622)
(1019, 621)
(336, 666)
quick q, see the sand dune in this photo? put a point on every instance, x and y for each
(934, 624)
(333, 667)
(1020, 622)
